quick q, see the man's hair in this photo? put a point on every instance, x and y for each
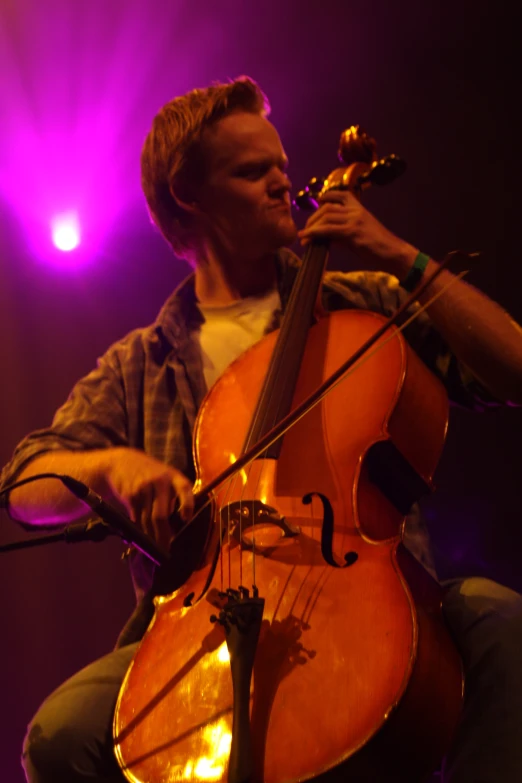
(172, 155)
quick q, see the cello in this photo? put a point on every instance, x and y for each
(334, 664)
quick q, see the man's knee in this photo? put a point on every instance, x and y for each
(70, 737)
(486, 619)
(71, 752)
(51, 756)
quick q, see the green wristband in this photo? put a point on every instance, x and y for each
(413, 277)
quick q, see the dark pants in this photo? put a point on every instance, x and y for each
(69, 739)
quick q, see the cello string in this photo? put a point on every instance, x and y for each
(303, 297)
(313, 261)
(261, 417)
(246, 478)
(315, 256)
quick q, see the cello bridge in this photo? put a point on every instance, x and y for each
(255, 525)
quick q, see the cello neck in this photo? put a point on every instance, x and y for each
(278, 390)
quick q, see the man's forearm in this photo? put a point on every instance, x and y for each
(48, 501)
(479, 332)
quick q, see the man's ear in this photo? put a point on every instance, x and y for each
(185, 197)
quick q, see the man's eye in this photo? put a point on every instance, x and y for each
(253, 172)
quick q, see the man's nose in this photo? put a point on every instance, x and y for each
(286, 180)
(281, 186)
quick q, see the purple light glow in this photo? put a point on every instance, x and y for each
(66, 231)
(78, 98)
(46, 171)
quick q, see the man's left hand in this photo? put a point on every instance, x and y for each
(342, 218)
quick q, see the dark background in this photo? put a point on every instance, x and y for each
(436, 83)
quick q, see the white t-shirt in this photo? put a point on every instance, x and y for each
(227, 331)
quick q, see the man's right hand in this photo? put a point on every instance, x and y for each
(149, 490)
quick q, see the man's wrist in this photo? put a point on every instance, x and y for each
(401, 260)
(96, 467)
(415, 273)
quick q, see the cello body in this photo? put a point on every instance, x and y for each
(355, 677)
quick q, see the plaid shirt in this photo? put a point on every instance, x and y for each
(146, 389)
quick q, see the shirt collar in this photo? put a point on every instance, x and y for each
(180, 313)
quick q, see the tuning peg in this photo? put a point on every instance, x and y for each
(307, 199)
(384, 171)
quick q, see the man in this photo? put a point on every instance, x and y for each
(213, 173)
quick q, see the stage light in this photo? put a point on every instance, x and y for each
(66, 231)
(76, 106)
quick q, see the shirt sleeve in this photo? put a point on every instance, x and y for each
(382, 293)
(93, 417)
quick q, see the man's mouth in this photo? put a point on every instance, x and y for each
(282, 205)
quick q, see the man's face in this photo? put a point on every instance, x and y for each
(244, 201)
